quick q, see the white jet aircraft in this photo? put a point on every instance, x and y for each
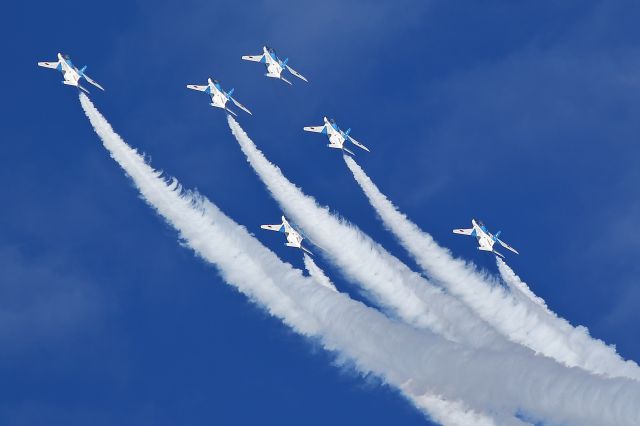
(219, 97)
(486, 239)
(337, 137)
(71, 73)
(294, 239)
(274, 65)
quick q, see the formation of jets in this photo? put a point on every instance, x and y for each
(337, 137)
(70, 72)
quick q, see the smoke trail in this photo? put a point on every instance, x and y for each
(537, 329)
(317, 274)
(387, 280)
(222, 242)
(519, 288)
(412, 360)
(446, 412)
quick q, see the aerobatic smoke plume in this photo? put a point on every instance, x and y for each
(526, 322)
(415, 361)
(387, 280)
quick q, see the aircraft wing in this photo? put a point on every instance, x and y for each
(92, 82)
(315, 129)
(253, 58)
(239, 105)
(296, 73)
(463, 231)
(53, 65)
(507, 246)
(196, 87)
(358, 144)
(271, 227)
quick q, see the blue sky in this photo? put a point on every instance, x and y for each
(523, 115)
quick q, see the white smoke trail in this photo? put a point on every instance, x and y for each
(387, 280)
(404, 357)
(519, 288)
(537, 329)
(317, 274)
(445, 412)
(220, 241)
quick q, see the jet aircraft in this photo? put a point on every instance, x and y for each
(219, 97)
(486, 239)
(70, 72)
(275, 66)
(337, 137)
(294, 239)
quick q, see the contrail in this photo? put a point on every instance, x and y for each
(388, 281)
(536, 328)
(417, 361)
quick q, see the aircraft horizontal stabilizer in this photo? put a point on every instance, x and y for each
(228, 110)
(346, 150)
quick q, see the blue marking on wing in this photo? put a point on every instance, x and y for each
(281, 229)
(324, 130)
